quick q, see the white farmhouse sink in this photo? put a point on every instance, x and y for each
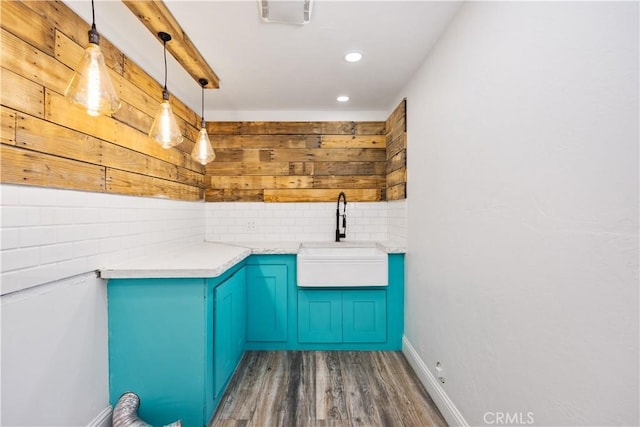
(341, 264)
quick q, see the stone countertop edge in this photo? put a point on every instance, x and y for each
(201, 260)
(210, 259)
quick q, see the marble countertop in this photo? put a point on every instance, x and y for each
(211, 259)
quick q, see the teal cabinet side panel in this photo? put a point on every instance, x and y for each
(267, 302)
(364, 316)
(319, 316)
(156, 347)
(395, 301)
(224, 341)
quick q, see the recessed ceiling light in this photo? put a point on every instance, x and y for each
(342, 98)
(353, 56)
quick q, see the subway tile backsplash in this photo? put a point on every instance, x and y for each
(51, 234)
(242, 221)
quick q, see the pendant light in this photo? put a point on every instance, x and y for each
(90, 86)
(202, 151)
(165, 130)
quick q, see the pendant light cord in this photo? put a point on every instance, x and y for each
(165, 38)
(94, 37)
(93, 15)
(165, 64)
(203, 83)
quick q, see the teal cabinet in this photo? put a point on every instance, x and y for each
(319, 316)
(267, 299)
(161, 343)
(176, 342)
(349, 316)
(229, 328)
(364, 316)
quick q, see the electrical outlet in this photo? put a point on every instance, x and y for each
(251, 225)
(440, 372)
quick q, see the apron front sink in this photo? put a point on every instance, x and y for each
(341, 264)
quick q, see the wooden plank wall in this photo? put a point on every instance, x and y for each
(297, 161)
(396, 140)
(46, 141)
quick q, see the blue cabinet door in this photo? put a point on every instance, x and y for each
(224, 341)
(319, 316)
(240, 315)
(266, 302)
(364, 316)
(229, 327)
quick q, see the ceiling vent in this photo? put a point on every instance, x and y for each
(296, 12)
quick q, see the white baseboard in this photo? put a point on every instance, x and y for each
(103, 419)
(435, 390)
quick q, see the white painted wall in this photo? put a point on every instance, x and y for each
(522, 270)
(54, 353)
(53, 307)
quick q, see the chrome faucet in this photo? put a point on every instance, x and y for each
(344, 217)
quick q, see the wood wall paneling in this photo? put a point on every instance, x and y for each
(396, 153)
(56, 143)
(21, 94)
(234, 195)
(347, 141)
(28, 24)
(321, 195)
(397, 192)
(21, 166)
(7, 126)
(296, 128)
(33, 64)
(297, 161)
(123, 182)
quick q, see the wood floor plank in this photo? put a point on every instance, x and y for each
(326, 389)
(299, 405)
(247, 382)
(406, 397)
(330, 402)
(270, 402)
(361, 406)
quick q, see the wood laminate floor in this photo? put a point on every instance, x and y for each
(325, 388)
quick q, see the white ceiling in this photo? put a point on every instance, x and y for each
(269, 71)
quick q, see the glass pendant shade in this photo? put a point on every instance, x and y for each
(202, 151)
(165, 130)
(90, 86)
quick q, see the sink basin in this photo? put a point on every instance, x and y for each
(341, 264)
